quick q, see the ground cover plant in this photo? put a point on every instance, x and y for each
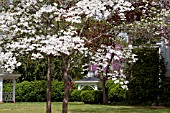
(77, 107)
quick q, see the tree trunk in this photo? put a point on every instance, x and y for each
(66, 85)
(105, 97)
(48, 104)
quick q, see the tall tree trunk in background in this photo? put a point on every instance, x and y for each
(105, 96)
(49, 75)
(66, 69)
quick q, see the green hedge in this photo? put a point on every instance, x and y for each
(35, 91)
(75, 95)
(91, 96)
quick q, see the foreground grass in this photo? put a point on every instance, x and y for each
(77, 107)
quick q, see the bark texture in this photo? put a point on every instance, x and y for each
(66, 69)
(48, 104)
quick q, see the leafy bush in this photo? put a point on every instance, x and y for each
(91, 96)
(31, 91)
(35, 91)
(117, 93)
(98, 96)
(87, 96)
(57, 91)
(75, 95)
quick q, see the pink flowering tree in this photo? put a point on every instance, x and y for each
(108, 63)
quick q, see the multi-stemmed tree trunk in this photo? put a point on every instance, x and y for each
(49, 75)
(66, 70)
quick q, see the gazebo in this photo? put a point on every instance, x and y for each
(8, 96)
(89, 81)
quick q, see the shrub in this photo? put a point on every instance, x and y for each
(98, 96)
(31, 91)
(87, 97)
(57, 91)
(91, 96)
(75, 95)
(116, 93)
(35, 91)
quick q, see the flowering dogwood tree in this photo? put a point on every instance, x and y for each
(111, 18)
(101, 36)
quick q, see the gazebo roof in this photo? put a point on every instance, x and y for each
(88, 80)
(9, 75)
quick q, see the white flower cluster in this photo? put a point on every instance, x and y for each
(98, 8)
(35, 27)
(8, 62)
(65, 44)
(46, 29)
(112, 59)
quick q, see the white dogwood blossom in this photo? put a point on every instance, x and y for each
(35, 27)
(8, 62)
(99, 10)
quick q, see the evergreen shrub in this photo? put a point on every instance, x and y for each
(35, 91)
(75, 95)
(144, 77)
(115, 92)
(91, 96)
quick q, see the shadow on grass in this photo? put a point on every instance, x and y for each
(91, 108)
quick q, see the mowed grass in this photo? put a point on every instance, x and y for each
(77, 107)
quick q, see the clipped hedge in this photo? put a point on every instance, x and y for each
(31, 91)
(35, 91)
(57, 91)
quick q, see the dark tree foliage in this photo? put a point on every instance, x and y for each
(145, 77)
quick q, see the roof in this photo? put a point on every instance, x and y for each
(9, 76)
(88, 80)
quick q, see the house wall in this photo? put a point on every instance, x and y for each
(165, 51)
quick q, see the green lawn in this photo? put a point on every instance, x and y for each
(74, 107)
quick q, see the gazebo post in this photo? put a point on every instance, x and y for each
(13, 94)
(79, 87)
(8, 96)
(95, 87)
(1, 90)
